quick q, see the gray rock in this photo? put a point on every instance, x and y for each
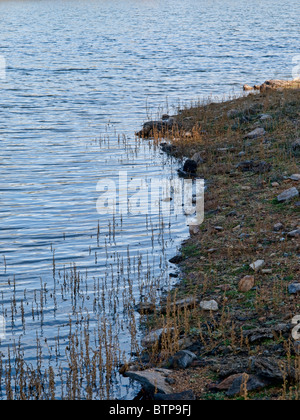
(265, 117)
(188, 302)
(278, 227)
(182, 359)
(197, 158)
(210, 305)
(294, 233)
(296, 145)
(257, 265)
(295, 177)
(294, 288)
(258, 132)
(233, 113)
(253, 384)
(152, 380)
(288, 194)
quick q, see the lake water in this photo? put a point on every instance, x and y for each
(81, 77)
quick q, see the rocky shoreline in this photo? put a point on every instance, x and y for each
(228, 329)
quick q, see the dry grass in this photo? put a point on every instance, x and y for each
(244, 204)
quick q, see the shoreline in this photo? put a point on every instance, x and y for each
(225, 331)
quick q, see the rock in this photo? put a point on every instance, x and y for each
(258, 132)
(190, 166)
(194, 230)
(247, 88)
(257, 265)
(288, 194)
(257, 167)
(279, 84)
(197, 158)
(253, 383)
(188, 302)
(153, 338)
(169, 149)
(233, 113)
(294, 288)
(297, 347)
(210, 305)
(160, 126)
(246, 284)
(296, 146)
(278, 227)
(265, 117)
(182, 359)
(152, 380)
(294, 233)
(273, 370)
(260, 334)
(295, 177)
(165, 117)
(226, 384)
(181, 396)
(177, 259)
(275, 184)
(146, 308)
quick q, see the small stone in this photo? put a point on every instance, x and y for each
(246, 284)
(257, 265)
(194, 230)
(294, 233)
(152, 338)
(296, 145)
(265, 117)
(247, 88)
(233, 113)
(294, 288)
(278, 227)
(210, 305)
(182, 359)
(295, 177)
(258, 132)
(288, 194)
(190, 166)
(275, 184)
(197, 158)
(218, 228)
(211, 250)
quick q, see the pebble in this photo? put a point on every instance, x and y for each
(257, 265)
(209, 305)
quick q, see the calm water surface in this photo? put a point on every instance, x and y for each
(81, 77)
